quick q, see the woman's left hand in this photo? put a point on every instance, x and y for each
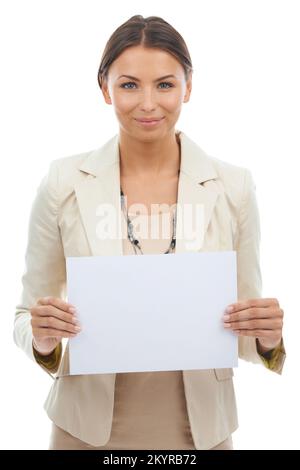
(261, 318)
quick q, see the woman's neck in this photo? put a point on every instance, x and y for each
(149, 159)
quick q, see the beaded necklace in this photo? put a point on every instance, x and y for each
(131, 237)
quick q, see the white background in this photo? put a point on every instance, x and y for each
(244, 109)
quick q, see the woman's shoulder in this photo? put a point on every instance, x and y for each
(76, 166)
(222, 171)
(229, 173)
(235, 181)
(71, 163)
(64, 174)
(225, 177)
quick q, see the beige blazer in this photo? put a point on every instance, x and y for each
(63, 223)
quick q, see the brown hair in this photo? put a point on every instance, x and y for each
(152, 32)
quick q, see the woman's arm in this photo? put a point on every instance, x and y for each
(45, 273)
(250, 288)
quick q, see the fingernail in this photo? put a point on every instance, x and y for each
(77, 328)
(226, 317)
(72, 310)
(229, 309)
(227, 325)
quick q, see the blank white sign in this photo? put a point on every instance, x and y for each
(152, 312)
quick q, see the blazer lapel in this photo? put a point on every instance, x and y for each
(98, 197)
(197, 196)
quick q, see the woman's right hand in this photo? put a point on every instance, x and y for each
(51, 320)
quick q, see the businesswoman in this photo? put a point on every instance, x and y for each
(147, 172)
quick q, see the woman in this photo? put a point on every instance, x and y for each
(146, 74)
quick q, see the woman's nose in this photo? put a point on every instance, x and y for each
(147, 102)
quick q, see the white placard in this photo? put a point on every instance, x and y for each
(152, 312)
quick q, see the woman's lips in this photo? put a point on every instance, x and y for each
(149, 123)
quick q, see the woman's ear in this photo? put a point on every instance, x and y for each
(188, 89)
(105, 92)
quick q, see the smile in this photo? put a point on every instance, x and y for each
(150, 123)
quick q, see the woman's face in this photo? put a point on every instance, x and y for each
(146, 94)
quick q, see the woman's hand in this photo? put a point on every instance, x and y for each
(261, 318)
(52, 319)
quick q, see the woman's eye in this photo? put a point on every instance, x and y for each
(128, 83)
(167, 83)
(124, 85)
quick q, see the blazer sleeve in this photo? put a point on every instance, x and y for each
(248, 270)
(45, 271)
